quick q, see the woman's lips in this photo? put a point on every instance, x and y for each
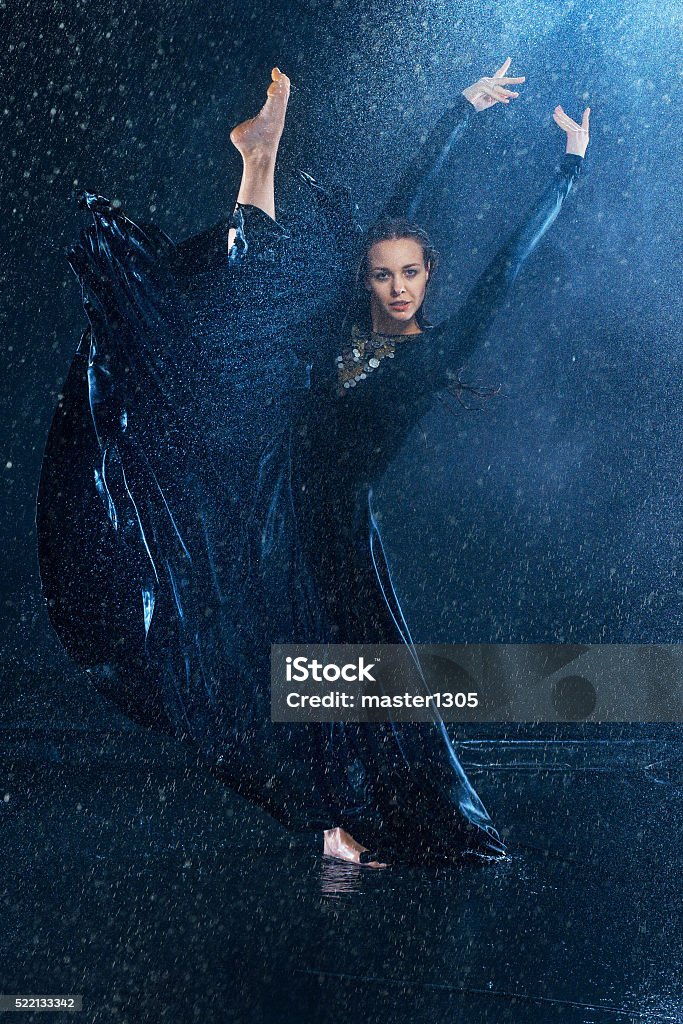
(399, 305)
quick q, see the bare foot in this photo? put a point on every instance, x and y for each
(339, 844)
(260, 135)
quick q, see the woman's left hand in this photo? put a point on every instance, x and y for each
(489, 91)
(578, 135)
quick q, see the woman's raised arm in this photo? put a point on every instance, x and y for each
(456, 337)
(412, 186)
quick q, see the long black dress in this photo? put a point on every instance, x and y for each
(206, 491)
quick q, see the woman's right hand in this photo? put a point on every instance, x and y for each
(577, 134)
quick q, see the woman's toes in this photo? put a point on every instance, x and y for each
(373, 864)
(279, 86)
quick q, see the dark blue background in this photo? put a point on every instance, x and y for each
(552, 513)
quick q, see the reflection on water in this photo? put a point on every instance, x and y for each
(338, 878)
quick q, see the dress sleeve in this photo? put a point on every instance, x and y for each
(192, 254)
(140, 368)
(130, 296)
(415, 181)
(456, 337)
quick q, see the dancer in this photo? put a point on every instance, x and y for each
(232, 402)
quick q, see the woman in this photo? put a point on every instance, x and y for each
(231, 406)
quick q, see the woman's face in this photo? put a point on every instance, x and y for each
(396, 279)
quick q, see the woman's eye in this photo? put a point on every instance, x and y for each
(412, 272)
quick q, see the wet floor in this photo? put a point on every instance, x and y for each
(137, 882)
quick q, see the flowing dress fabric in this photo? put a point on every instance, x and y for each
(206, 492)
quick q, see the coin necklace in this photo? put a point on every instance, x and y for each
(362, 357)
